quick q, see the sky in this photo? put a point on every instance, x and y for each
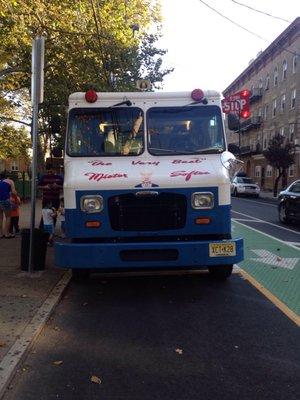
(209, 52)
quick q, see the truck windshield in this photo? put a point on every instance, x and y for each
(185, 130)
(105, 132)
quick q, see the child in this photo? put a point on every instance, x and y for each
(48, 214)
(61, 211)
(14, 213)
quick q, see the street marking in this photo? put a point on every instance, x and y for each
(258, 202)
(249, 220)
(294, 243)
(266, 257)
(270, 296)
(14, 356)
(266, 234)
(269, 223)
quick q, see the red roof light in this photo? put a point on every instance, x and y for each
(197, 94)
(91, 96)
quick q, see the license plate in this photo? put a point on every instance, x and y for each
(222, 249)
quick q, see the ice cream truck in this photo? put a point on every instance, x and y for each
(147, 184)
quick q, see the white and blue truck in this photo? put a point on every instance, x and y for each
(147, 184)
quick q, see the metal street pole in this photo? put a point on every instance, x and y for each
(37, 92)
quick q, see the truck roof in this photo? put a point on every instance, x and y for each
(209, 94)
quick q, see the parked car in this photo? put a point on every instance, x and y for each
(289, 203)
(243, 185)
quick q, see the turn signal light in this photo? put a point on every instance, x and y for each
(203, 220)
(93, 224)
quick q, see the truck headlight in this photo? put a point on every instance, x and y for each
(204, 200)
(91, 204)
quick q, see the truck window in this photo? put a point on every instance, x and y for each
(105, 132)
(185, 130)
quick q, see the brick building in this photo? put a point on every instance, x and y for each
(274, 80)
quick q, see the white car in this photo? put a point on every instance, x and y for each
(242, 185)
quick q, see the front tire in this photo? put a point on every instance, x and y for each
(79, 275)
(282, 214)
(220, 272)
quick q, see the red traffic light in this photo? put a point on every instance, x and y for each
(245, 114)
(245, 93)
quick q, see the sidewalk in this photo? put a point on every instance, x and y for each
(268, 196)
(21, 295)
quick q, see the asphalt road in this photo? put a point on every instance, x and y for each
(165, 337)
(263, 215)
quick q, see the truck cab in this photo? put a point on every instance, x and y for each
(147, 184)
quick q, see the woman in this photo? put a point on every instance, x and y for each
(6, 187)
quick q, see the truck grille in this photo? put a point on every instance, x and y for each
(128, 212)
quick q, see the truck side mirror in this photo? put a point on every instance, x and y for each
(233, 122)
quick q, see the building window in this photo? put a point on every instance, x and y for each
(14, 166)
(259, 112)
(274, 105)
(291, 132)
(266, 111)
(284, 70)
(267, 83)
(282, 103)
(294, 64)
(265, 141)
(281, 131)
(291, 171)
(275, 80)
(257, 171)
(260, 84)
(293, 98)
(269, 171)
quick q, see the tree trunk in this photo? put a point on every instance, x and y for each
(284, 179)
(275, 190)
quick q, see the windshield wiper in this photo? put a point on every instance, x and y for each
(210, 150)
(172, 151)
(125, 102)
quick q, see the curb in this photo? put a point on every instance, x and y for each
(19, 349)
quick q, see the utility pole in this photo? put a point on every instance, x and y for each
(37, 94)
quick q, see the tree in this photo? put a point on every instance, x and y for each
(14, 142)
(280, 155)
(88, 43)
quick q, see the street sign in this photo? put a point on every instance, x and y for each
(237, 103)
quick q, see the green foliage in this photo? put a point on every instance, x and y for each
(89, 43)
(13, 142)
(280, 154)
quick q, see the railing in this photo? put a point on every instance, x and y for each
(256, 94)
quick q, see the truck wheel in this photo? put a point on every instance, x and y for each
(79, 275)
(220, 272)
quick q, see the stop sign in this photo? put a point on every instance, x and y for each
(237, 103)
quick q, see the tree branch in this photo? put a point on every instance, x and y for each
(14, 120)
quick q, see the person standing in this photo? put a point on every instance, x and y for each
(6, 187)
(48, 214)
(51, 185)
(14, 213)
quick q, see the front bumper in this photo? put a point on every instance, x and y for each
(166, 255)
